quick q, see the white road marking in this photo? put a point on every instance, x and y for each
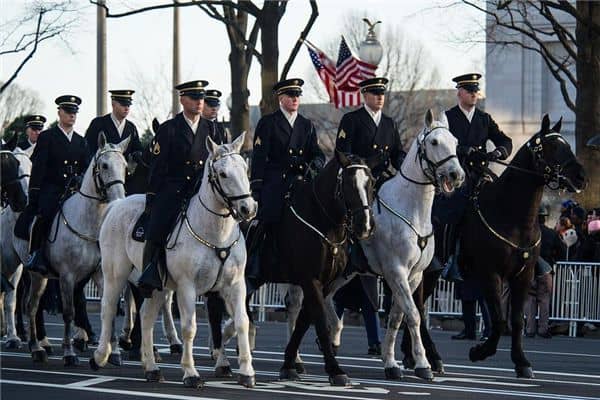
(91, 382)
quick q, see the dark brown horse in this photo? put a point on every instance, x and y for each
(500, 237)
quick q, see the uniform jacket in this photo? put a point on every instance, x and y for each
(215, 129)
(106, 125)
(358, 134)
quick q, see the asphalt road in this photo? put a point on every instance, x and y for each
(565, 369)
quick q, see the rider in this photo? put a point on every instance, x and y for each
(209, 123)
(33, 126)
(116, 126)
(59, 161)
(179, 155)
(472, 127)
(285, 150)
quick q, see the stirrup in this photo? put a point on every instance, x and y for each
(451, 273)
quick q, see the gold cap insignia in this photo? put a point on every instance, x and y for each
(342, 134)
(156, 149)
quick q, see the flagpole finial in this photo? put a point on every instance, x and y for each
(371, 25)
(370, 49)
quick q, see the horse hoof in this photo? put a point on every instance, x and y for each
(80, 345)
(247, 381)
(134, 355)
(13, 344)
(93, 364)
(154, 376)
(176, 348)
(193, 382)
(437, 366)
(340, 380)
(424, 373)
(524, 372)
(408, 363)
(223, 372)
(393, 373)
(288, 374)
(114, 359)
(300, 368)
(39, 356)
(48, 349)
(70, 361)
(125, 343)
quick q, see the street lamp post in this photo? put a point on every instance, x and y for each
(370, 50)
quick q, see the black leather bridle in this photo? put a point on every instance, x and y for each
(99, 184)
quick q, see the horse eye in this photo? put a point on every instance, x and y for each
(434, 142)
(104, 166)
(223, 175)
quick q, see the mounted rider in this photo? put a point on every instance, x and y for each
(34, 124)
(59, 161)
(209, 124)
(176, 171)
(286, 149)
(473, 128)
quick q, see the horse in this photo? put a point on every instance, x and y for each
(500, 236)
(72, 248)
(9, 259)
(13, 193)
(206, 252)
(317, 220)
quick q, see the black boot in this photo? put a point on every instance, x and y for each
(151, 277)
(451, 271)
(37, 260)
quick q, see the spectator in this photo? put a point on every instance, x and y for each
(589, 251)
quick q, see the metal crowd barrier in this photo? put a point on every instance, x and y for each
(575, 296)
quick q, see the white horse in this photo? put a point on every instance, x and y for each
(403, 220)
(9, 258)
(206, 252)
(72, 249)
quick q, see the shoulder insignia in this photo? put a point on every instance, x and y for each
(156, 149)
(257, 142)
(342, 134)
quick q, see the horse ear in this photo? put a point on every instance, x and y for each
(238, 143)
(155, 125)
(545, 124)
(342, 158)
(124, 143)
(11, 145)
(211, 146)
(444, 120)
(428, 118)
(557, 126)
(101, 140)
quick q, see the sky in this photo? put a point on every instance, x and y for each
(139, 47)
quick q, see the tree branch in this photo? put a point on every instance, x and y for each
(567, 7)
(243, 5)
(313, 16)
(252, 42)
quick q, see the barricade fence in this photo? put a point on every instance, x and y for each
(575, 296)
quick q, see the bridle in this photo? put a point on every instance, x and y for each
(431, 167)
(99, 184)
(11, 181)
(217, 188)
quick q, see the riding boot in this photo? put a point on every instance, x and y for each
(256, 248)
(151, 277)
(451, 271)
(5, 286)
(37, 260)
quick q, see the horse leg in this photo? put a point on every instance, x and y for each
(402, 290)
(37, 287)
(293, 303)
(215, 307)
(22, 289)
(313, 295)
(519, 287)
(67, 289)
(186, 300)
(491, 287)
(169, 325)
(12, 340)
(335, 324)
(235, 299)
(289, 371)
(148, 314)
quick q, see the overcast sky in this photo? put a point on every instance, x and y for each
(139, 46)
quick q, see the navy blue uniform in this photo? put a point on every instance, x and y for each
(55, 161)
(105, 124)
(281, 153)
(176, 170)
(215, 129)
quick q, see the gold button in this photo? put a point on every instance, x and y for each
(283, 176)
(200, 162)
(300, 151)
(66, 162)
(75, 162)
(374, 146)
(291, 151)
(188, 178)
(301, 167)
(187, 162)
(65, 175)
(387, 147)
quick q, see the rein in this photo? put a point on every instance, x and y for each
(99, 184)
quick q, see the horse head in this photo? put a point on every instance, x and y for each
(25, 165)
(436, 154)
(228, 176)
(13, 192)
(354, 191)
(554, 159)
(106, 173)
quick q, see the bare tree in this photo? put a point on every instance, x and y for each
(149, 99)
(41, 21)
(16, 101)
(536, 26)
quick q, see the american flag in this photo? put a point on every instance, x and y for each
(326, 70)
(350, 70)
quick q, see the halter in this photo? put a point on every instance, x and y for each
(431, 170)
(101, 187)
(10, 182)
(217, 188)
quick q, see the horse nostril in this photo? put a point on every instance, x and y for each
(244, 210)
(453, 175)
